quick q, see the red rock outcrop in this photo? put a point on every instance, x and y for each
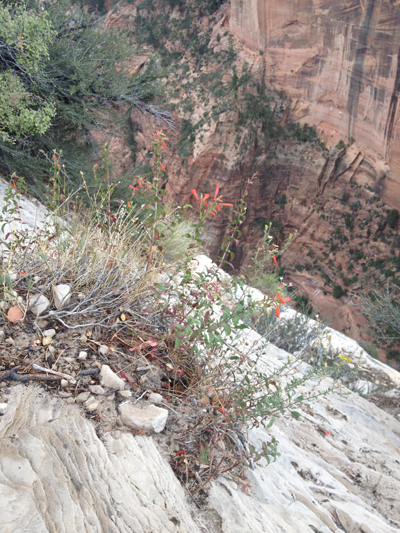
(340, 59)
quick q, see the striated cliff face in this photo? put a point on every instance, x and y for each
(341, 59)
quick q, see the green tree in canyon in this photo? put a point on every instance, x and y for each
(62, 73)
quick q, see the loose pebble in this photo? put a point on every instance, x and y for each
(125, 393)
(96, 389)
(110, 379)
(154, 397)
(82, 355)
(82, 397)
(46, 341)
(3, 408)
(104, 350)
(93, 406)
(49, 333)
(10, 341)
(62, 296)
(64, 383)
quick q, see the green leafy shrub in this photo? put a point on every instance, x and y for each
(338, 292)
(58, 76)
(393, 218)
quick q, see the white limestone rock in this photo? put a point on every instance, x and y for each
(147, 417)
(3, 408)
(154, 397)
(38, 303)
(62, 296)
(109, 379)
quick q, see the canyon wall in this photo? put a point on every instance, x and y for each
(340, 59)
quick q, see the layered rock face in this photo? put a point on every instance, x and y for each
(340, 58)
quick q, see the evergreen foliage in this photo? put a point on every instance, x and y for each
(61, 74)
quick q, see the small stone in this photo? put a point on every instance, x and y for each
(36, 278)
(38, 304)
(52, 349)
(46, 341)
(82, 397)
(1, 333)
(93, 406)
(64, 394)
(69, 359)
(64, 383)
(15, 314)
(3, 408)
(82, 355)
(10, 341)
(125, 393)
(96, 389)
(110, 378)
(80, 296)
(155, 398)
(49, 333)
(3, 385)
(149, 418)
(70, 400)
(89, 401)
(62, 296)
(104, 350)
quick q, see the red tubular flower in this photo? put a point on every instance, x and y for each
(164, 144)
(206, 196)
(162, 167)
(280, 298)
(140, 183)
(274, 259)
(287, 299)
(216, 192)
(213, 214)
(58, 164)
(218, 208)
(277, 310)
(206, 203)
(134, 188)
(129, 204)
(227, 205)
(193, 191)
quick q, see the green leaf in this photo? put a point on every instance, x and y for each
(227, 329)
(177, 342)
(242, 326)
(271, 422)
(161, 287)
(295, 414)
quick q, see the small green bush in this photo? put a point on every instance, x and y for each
(393, 218)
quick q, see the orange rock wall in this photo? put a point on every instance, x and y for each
(341, 59)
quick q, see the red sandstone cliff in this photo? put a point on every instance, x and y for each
(341, 60)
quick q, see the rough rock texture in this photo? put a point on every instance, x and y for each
(57, 476)
(338, 471)
(340, 58)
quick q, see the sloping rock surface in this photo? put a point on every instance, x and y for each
(57, 476)
(339, 470)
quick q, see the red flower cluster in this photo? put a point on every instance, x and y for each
(282, 300)
(216, 199)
